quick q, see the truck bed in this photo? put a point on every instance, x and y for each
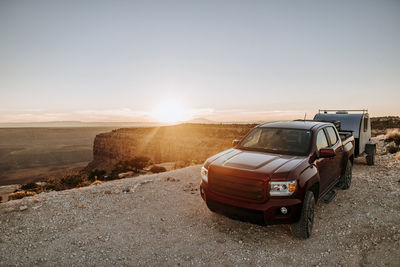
(345, 135)
(348, 141)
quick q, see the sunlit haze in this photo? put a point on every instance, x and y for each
(174, 61)
(170, 111)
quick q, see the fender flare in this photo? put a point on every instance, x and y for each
(308, 179)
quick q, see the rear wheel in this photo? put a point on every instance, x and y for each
(370, 159)
(302, 229)
(345, 179)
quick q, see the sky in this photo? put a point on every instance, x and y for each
(219, 60)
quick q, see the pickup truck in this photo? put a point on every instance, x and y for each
(278, 172)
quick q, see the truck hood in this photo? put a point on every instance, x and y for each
(260, 163)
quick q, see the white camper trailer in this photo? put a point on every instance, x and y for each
(357, 122)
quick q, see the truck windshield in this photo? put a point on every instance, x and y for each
(278, 141)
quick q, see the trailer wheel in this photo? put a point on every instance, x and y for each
(345, 179)
(370, 159)
(302, 229)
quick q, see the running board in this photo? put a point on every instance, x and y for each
(329, 197)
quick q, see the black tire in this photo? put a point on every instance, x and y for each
(345, 180)
(370, 159)
(211, 208)
(302, 229)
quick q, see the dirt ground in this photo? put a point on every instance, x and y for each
(161, 219)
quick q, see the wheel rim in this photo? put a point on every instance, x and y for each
(310, 217)
(348, 177)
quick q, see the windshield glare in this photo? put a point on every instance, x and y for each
(278, 140)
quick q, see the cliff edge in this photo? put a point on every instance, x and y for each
(184, 142)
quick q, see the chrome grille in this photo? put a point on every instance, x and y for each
(240, 187)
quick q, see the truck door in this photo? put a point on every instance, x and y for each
(325, 166)
(336, 145)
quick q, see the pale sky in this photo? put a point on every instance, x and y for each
(221, 60)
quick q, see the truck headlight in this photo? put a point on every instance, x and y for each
(282, 188)
(204, 174)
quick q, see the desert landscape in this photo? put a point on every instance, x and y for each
(111, 224)
(127, 128)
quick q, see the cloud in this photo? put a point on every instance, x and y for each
(242, 115)
(111, 115)
(130, 115)
(121, 114)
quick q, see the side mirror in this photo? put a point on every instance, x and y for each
(327, 153)
(235, 142)
(312, 158)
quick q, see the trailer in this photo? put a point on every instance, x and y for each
(357, 122)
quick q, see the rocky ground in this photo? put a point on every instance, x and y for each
(160, 219)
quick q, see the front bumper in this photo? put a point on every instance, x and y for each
(263, 213)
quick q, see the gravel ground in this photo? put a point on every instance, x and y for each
(161, 219)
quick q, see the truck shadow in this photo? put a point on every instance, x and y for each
(235, 227)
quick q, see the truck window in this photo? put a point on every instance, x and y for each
(253, 139)
(278, 141)
(332, 135)
(322, 142)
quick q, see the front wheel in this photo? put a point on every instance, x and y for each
(302, 229)
(210, 207)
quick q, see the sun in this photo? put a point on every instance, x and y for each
(170, 111)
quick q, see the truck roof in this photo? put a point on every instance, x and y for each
(300, 124)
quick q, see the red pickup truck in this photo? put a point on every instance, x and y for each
(278, 171)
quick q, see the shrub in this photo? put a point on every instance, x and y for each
(113, 176)
(392, 148)
(96, 183)
(52, 183)
(20, 194)
(67, 181)
(139, 163)
(28, 186)
(134, 164)
(158, 169)
(73, 179)
(393, 135)
(96, 175)
(83, 183)
(182, 164)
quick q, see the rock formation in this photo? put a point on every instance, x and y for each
(383, 123)
(184, 142)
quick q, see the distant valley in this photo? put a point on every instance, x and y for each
(28, 154)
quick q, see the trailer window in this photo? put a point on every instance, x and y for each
(332, 135)
(366, 123)
(322, 142)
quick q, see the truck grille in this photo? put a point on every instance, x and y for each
(240, 187)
